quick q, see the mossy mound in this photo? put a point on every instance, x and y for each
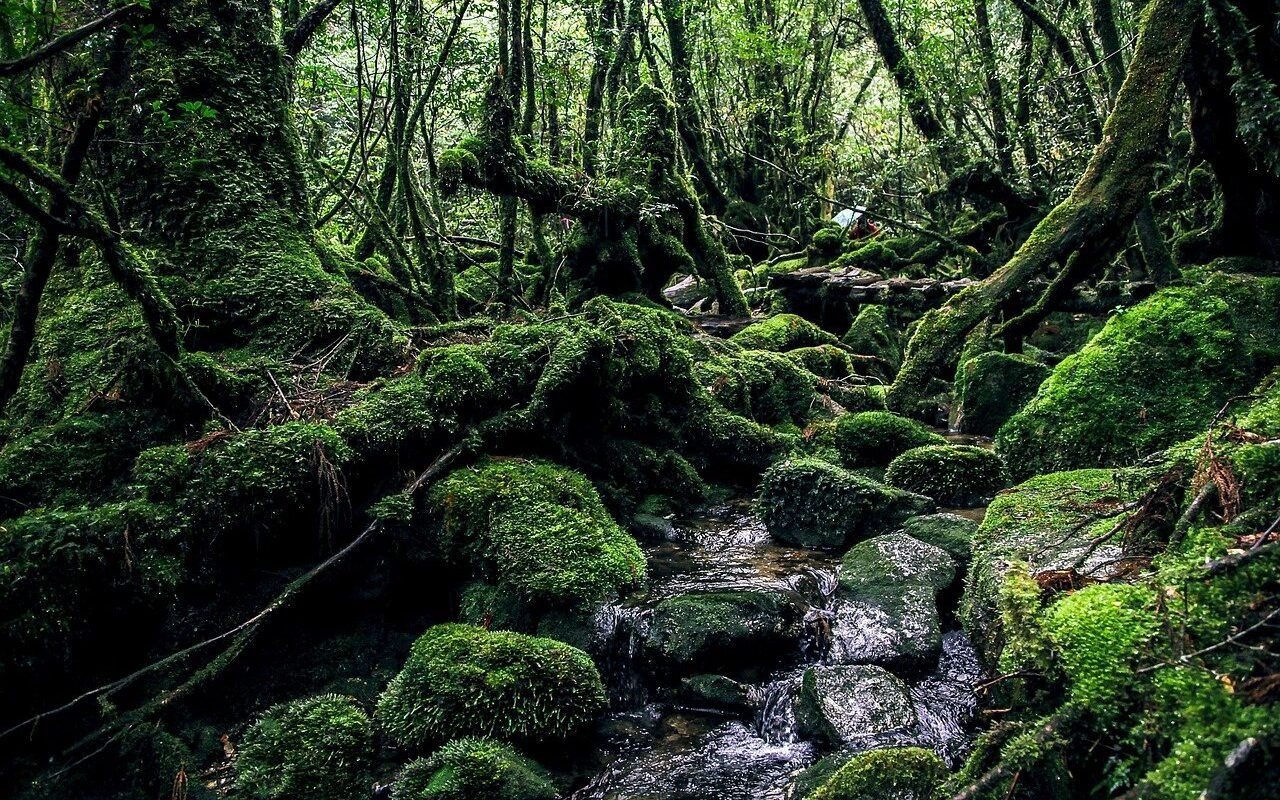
(724, 629)
(874, 438)
(461, 680)
(953, 475)
(906, 773)
(764, 386)
(825, 361)
(871, 334)
(536, 528)
(1154, 376)
(781, 333)
(812, 503)
(951, 532)
(471, 768)
(991, 388)
(318, 747)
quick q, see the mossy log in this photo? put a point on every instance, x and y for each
(1095, 217)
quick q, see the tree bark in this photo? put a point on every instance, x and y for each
(1098, 212)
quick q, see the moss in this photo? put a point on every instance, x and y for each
(827, 240)
(767, 387)
(908, 773)
(782, 333)
(874, 438)
(1155, 375)
(826, 361)
(465, 769)
(716, 629)
(733, 445)
(871, 334)
(993, 387)
(892, 561)
(538, 529)
(462, 680)
(320, 747)
(953, 475)
(951, 532)
(812, 503)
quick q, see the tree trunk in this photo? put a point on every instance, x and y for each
(1098, 212)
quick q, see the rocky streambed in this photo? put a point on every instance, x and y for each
(746, 662)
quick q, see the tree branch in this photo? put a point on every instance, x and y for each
(64, 42)
(297, 39)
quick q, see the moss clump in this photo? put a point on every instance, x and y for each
(782, 333)
(536, 528)
(320, 747)
(827, 241)
(953, 475)
(993, 387)
(461, 680)
(767, 387)
(907, 773)
(466, 769)
(826, 361)
(871, 334)
(1155, 375)
(874, 438)
(813, 503)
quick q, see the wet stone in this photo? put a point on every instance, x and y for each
(735, 630)
(853, 705)
(894, 628)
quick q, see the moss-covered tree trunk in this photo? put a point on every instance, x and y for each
(1098, 212)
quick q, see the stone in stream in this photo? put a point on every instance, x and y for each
(886, 609)
(894, 773)
(737, 630)
(716, 691)
(952, 474)
(812, 503)
(853, 705)
(951, 532)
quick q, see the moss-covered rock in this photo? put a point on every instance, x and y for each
(716, 691)
(825, 361)
(853, 705)
(886, 608)
(725, 629)
(1154, 376)
(812, 503)
(993, 387)
(953, 475)
(536, 528)
(461, 680)
(764, 386)
(906, 773)
(782, 333)
(471, 768)
(951, 532)
(874, 438)
(871, 334)
(320, 747)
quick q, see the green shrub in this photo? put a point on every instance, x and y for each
(320, 747)
(462, 680)
(536, 528)
(953, 475)
(874, 438)
(470, 769)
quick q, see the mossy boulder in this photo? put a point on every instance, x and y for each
(874, 438)
(953, 475)
(537, 528)
(714, 630)
(812, 503)
(716, 691)
(993, 387)
(825, 361)
(1155, 375)
(1043, 525)
(951, 532)
(782, 333)
(872, 334)
(462, 680)
(853, 705)
(898, 773)
(764, 386)
(886, 607)
(471, 768)
(318, 747)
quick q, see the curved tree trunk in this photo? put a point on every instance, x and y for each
(1098, 212)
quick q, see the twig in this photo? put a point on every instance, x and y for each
(1186, 659)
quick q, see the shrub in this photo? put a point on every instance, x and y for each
(461, 680)
(320, 747)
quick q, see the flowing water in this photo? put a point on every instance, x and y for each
(652, 746)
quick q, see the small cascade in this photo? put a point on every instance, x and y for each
(945, 702)
(618, 636)
(776, 710)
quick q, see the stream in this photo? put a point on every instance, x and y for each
(655, 743)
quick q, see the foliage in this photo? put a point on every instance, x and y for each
(462, 680)
(318, 747)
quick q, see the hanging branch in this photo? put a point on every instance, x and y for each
(65, 42)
